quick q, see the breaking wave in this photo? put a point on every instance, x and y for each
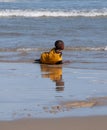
(47, 49)
(53, 13)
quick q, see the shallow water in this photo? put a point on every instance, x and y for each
(24, 39)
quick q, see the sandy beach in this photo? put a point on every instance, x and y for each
(40, 104)
(69, 96)
(75, 123)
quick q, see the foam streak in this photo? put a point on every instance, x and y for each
(46, 49)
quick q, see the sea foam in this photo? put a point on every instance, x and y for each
(53, 13)
(47, 49)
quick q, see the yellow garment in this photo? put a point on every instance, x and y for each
(50, 57)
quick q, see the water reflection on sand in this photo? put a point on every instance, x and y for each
(54, 73)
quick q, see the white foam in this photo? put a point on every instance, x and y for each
(53, 13)
(46, 49)
(105, 48)
(26, 49)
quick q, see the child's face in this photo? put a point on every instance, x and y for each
(62, 47)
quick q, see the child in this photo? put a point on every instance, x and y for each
(54, 56)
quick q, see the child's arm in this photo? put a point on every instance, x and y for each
(59, 62)
(37, 61)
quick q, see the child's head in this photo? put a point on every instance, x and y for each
(59, 44)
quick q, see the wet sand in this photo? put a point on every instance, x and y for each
(74, 123)
(34, 91)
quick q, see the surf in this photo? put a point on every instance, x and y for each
(25, 49)
(53, 13)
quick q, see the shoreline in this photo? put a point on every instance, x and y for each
(74, 123)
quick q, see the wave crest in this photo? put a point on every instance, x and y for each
(47, 49)
(53, 13)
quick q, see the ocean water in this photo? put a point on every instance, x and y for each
(29, 27)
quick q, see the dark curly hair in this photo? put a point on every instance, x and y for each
(58, 44)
